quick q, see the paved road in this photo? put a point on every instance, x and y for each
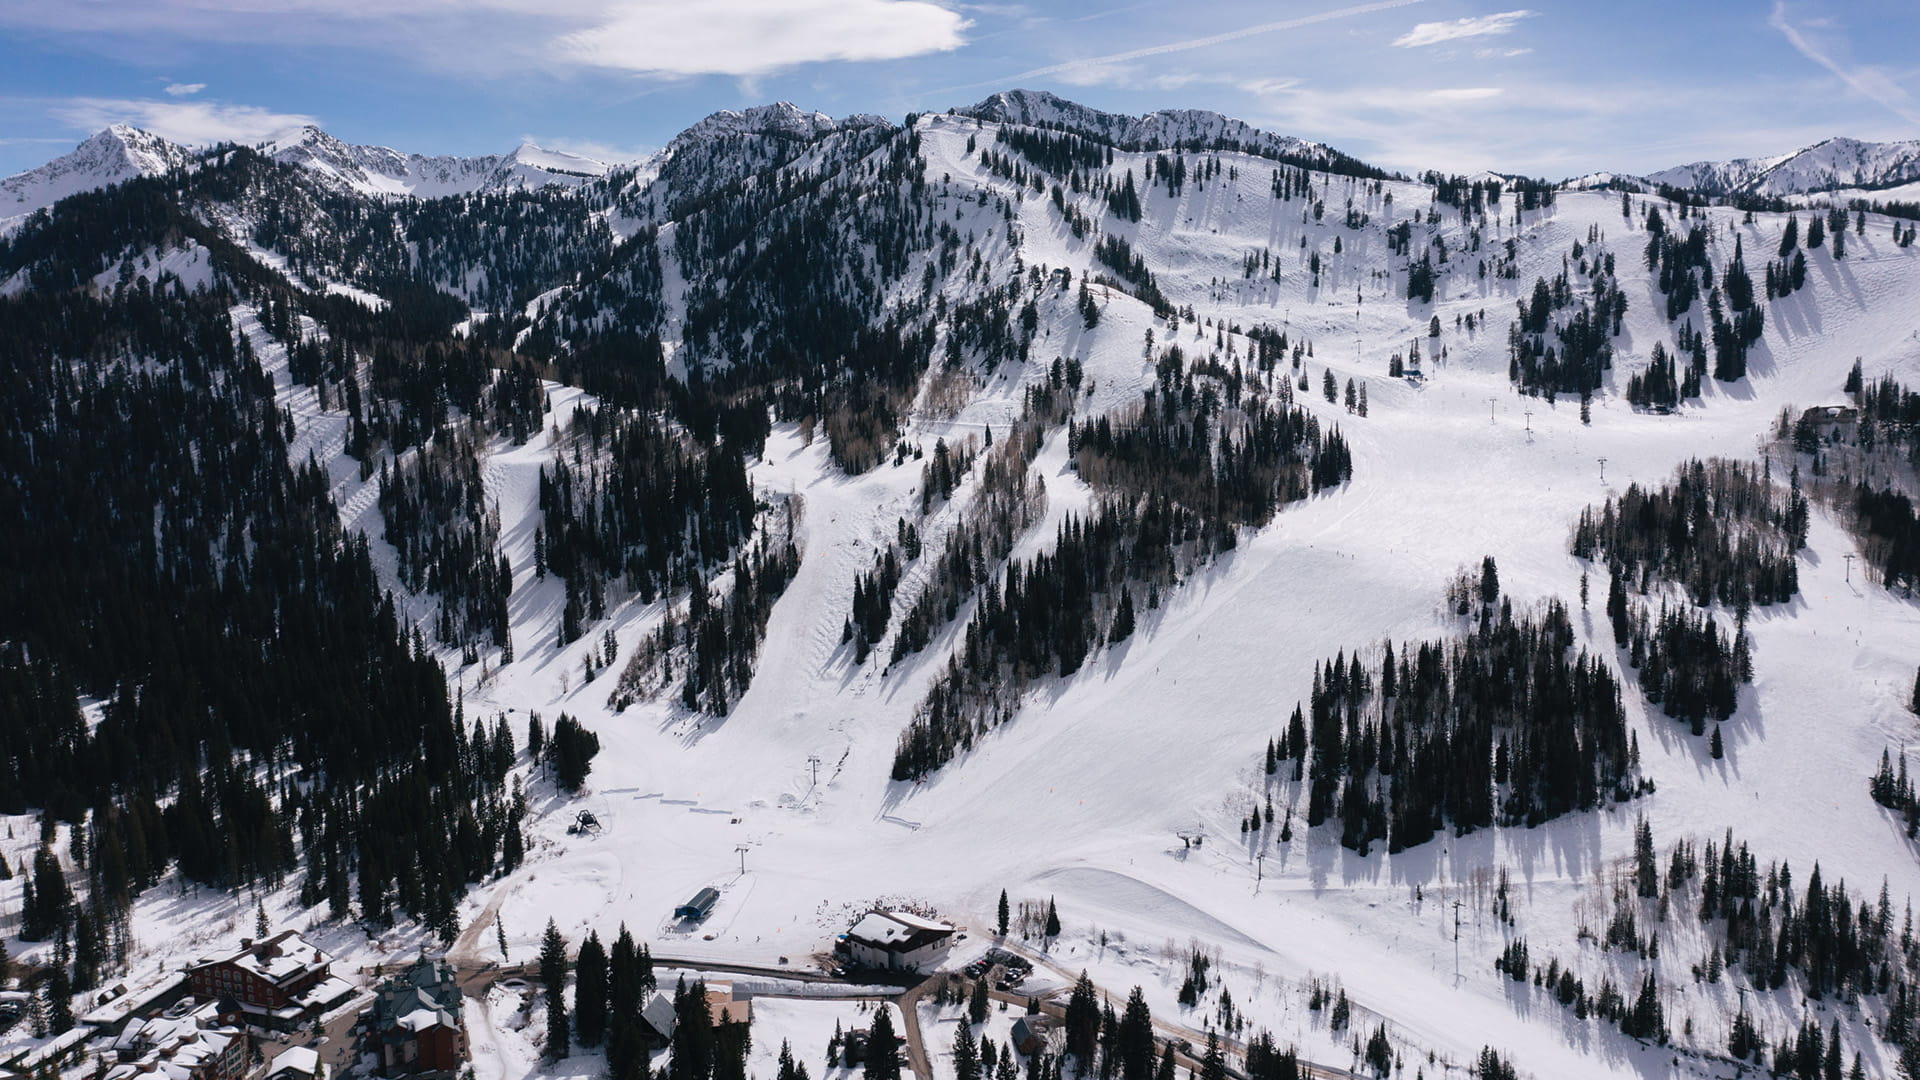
(476, 977)
(909, 1003)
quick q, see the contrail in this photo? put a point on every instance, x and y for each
(1196, 43)
(1867, 82)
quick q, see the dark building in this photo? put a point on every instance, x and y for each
(700, 906)
(414, 1026)
(277, 982)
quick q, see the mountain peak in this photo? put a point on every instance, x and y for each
(531, 156)
(1832, 163)
(1160, 130)
(782, 118)
(114, 153)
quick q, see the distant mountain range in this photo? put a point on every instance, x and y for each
(121, 152)
(1825, 166)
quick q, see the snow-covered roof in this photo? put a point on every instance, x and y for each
(897, 930)
(301, 1059)
(910, 919)
(171, 1046)
(422, 1019)
(279, 959)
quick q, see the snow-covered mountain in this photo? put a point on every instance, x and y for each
(906, 296)
(1161, 130)
(782, 119)
(1824, 166)
(382, 171)
(114, 154)
(121, 152)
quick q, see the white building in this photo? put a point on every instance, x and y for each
(897, 941)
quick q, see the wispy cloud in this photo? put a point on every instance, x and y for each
(610, 153)
(1067, 69)
(669, 38)
(187, 89)
(754, 37)
(1867, 81)
(194, 123)
(1433, 33)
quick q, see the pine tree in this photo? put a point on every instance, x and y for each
(590, 991)
(883, 1047)
(1082, 1020)
(1006, 912)
(1052, 928)
(1122, 628)
(966, 1054)
(1214, 1065)
(553, 960)
(1646, 1019)
(1646, 870)
(60, 1001)
(978, 1001)
(1136, 1039)
(692, 1056)
(559, 1043)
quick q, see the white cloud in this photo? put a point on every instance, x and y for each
(610, 153)
(1132, 77)
(754, 37)
(1867, 81)
(1460, 94)
(193, 123)
(185, 89)
(1433, 33)
(665, 37)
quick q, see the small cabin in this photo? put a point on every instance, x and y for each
(1030, 1033)
(1831, 418)
(700, 906)
(659, 1020)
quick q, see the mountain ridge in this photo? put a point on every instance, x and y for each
(121, 151)
(112, 154)
(1830, 164)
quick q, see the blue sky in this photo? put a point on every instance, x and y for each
(1552, 89)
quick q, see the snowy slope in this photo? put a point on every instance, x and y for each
(381, 171)
(1156, 130)
(1824, 166)
(114, 154)
(1081, 795)
(782, 118)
